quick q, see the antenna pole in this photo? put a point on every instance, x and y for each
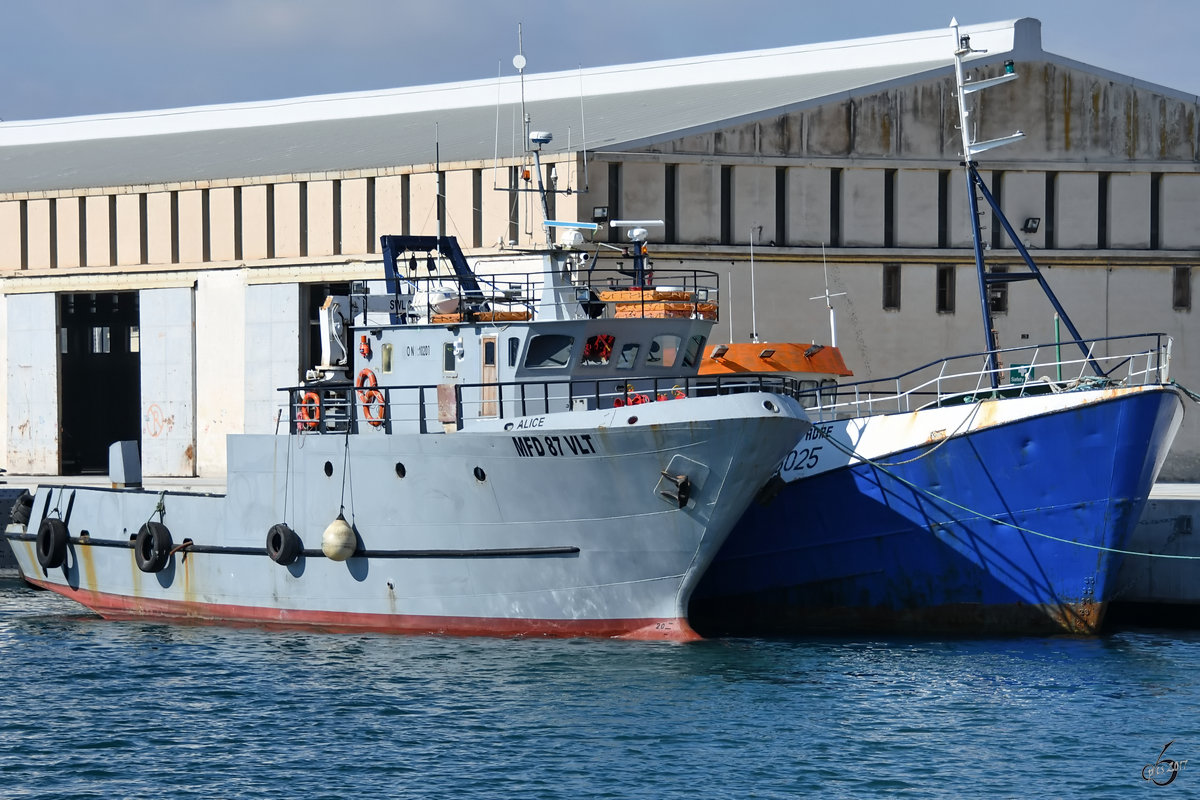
(753, 304)
(829, 300)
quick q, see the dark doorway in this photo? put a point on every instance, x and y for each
(100, 395)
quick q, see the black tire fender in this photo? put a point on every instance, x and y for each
(21, 509)
(52, 538)
(283, 545)
(152, 548)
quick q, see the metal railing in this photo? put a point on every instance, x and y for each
(1139, 359)
(342, 407)
(501, 295)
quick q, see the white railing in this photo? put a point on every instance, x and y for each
(1036, 369)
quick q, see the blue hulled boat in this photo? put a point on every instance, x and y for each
(962, 496)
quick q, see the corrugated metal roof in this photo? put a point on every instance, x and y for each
(389, 129)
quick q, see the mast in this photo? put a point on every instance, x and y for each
(974, 182)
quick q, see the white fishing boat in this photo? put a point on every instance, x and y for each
(525, 453)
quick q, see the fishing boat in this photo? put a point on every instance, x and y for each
(521, 453)
(990, 492)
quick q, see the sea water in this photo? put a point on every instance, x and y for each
(99, 709)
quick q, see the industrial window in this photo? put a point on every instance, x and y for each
(889, 208)
(1181, 289)
(101, 339)
(726, 204)
(945, 289)
(671, 185)
(998, 294)
(891, 287)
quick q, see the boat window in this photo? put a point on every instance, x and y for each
(663, 351)
(628, 356)
(808, 393)
(514, 349)
(597, 350)
(448, 361)
(694, 349)
(548, 351)
(489, 352)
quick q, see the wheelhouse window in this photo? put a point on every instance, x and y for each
(694, 348)
(628, 355)
(549, 351)
(664, 349)
(808, 393)
(597, 350)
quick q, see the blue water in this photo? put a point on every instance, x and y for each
(96, 709)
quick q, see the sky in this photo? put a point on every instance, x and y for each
(75, 57)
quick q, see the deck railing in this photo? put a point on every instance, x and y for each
(340, 407)
(1033, 369)
(597, 293)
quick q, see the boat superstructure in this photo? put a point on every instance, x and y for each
(992, 492)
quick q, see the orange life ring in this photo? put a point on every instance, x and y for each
(373, 404)
(310, 419)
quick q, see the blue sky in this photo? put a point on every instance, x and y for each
(69, 57)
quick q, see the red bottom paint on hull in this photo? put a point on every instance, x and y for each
(118, 607)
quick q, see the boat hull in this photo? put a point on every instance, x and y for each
(557, 526)
(1001, 520)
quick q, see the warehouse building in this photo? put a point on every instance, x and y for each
(160, 271)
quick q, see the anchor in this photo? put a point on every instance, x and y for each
(683, 488)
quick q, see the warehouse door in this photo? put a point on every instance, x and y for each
(101, 387)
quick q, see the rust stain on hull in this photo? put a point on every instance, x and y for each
(738, 617)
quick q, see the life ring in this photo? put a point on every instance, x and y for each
(152, 548)
(310, 410)
(52, 538)
(373, 404)
(283, 545)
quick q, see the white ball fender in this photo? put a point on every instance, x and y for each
(338, 542)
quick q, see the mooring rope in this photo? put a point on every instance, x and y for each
(879, 466)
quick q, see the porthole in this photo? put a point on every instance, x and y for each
(400, 470)
(632, 420)
(769, 405)
(480, 475)
(328, 469)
